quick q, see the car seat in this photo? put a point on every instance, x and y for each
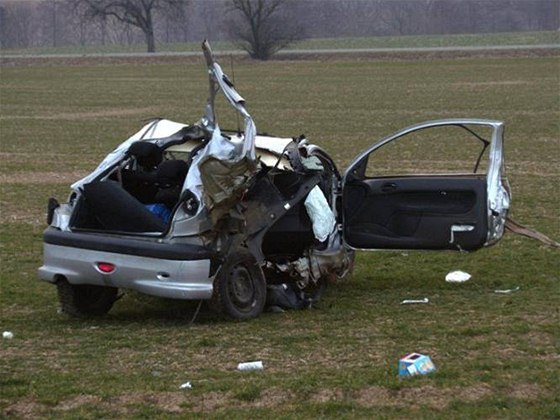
(170, 176)
(141, 180)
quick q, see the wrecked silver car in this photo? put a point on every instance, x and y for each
(245, 220)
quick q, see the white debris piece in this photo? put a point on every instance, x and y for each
(507, 291)
(186, 385)
(413, 301)
(457, 277)
(320, 214)
(8, 335)
(258, 365)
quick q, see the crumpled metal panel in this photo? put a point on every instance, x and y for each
(224, 183)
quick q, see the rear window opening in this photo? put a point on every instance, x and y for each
(139, 196)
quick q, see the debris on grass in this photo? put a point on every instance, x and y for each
(507, 291)
(414, 301)
(415, 364)
(186, 385)
(457, 277)
(8, 335)
(257, 365)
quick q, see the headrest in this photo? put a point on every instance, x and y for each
(147, 154)
(172, 172)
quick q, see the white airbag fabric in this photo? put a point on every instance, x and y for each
(320, 214)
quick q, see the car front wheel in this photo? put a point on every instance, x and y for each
(85, 300)
(239, 287)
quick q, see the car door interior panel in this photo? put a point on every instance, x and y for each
(430, 212)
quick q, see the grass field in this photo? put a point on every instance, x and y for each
(410, 41)
(497, 355)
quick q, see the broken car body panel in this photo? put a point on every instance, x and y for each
(194, 212)
(428, 211)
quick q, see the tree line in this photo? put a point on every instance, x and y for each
(259, 26)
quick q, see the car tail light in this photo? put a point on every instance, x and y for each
(106, 268)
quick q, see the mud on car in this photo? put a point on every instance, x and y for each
(246, 220)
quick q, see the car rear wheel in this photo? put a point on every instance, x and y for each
(239, 287)
(85, 300)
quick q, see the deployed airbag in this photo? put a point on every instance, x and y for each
(320, 214)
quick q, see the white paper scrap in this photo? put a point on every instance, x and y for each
(506, 291)
(258, 365)
(412, 301)
(457, 277)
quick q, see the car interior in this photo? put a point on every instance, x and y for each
(124, 202)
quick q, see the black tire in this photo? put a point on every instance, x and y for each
(239, 287)
(85, 300)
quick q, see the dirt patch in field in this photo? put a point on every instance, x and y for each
(369, 397)
(326, 395)
(526, 391)
(537, 338)
(376, 396)
(26, 408)
(32, 61)
(42, 177)
(77, 116)
(493, 83)
(77, 402)
(212, 401)
(274, 397)
(166, 401)
(436, 398)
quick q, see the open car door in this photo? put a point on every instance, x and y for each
(447, 191)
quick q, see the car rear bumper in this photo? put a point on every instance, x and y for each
(164, 277)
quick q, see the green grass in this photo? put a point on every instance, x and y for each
(495, 354)
(410, 41)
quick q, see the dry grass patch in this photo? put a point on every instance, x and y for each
(526, 391)
(166, 401)
(494, 83)
(29, 177)
(13, 213)
(77, 116)
(370, 397)
(27, 408)
(427, 395)
(77, 402)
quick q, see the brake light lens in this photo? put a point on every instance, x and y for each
(106, 268)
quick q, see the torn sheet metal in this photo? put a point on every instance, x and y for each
(298, 268)
(220, 173)
(224, 183)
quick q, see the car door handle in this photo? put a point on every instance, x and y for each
(390, 186)
(163, 276)
(463, 227)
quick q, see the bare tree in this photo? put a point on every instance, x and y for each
(17, 25)
(138, 13)
(262, 27)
